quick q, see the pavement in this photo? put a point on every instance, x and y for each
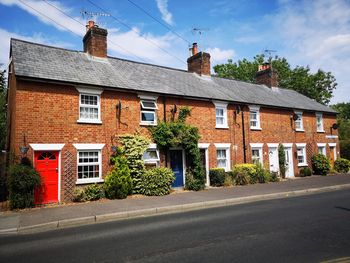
(69, 215)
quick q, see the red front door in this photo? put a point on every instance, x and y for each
(46, 163)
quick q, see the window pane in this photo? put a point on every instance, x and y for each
(89, 99)
(148, 104)
(221, 154)
(253, 123)
(150, 154)
(88, 113)
(253, 115)
(147, 116)
(88, 157)
(90, 171)
(219, 112)
(220, 120)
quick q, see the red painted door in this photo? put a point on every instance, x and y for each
(46, 163)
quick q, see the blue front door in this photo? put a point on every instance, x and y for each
(176, 164)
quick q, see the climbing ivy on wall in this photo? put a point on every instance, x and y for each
(179, 134)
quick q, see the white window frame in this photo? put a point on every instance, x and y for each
(259, 147)
(146, 109)
(299, 120)
(223, 106)
(155, 161)
(90, 147)
(319, 116)
(90, 92)
(254, 109)
(301, 146)
(322, 146)
(226, 147)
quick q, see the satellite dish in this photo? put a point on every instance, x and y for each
(335, 126)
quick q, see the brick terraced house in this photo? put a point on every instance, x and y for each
(65, 109)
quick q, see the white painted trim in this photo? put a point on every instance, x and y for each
(152, 146)
(272, 145)
(46, 146)
(223, 106)
(301, 121)
(301, 144)
(220, 104)
(59, 175)
(88, 146)
(303, 147)
(287, 145)
(89, 121)
(151, 123)
(228, 157)
(332, 144)
(291, 157)
(222, 145)
(331, 136)
(90, 180)
(321, 144)
(203, 145)
(148, 97)
(254, 108)
(93, 91)
(256, 145)
(98, 106)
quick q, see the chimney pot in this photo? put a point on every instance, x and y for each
(194, 49)
(266, 76)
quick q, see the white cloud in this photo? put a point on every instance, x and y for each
(220, 55)
(45, 10)
(316, 33)
(163, 8)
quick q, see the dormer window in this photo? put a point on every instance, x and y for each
(221, 115)
(299, 121)
(89, 105)
(148, 110)
(319, 122)
(254, 113)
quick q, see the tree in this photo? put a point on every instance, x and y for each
(3, 94)
(318, 86)
(343, 120)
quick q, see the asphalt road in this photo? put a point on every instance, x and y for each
(311, 228)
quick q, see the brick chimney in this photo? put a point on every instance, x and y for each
(199, 62)
(95, 40)
(266, 76)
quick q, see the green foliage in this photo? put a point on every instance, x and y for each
(217, 176)
(94, 192)
(241, 178)
(345, 149)
(282, 160)
(157, 181)
(320, 164)
(134, 147)
(245, 172)
(179, 134)
(342, 165)
(118, 183)
(3, 96)
(22, 181)
(343, 110)
(184, 113)
(79, 195)
(274, 177)
(192, 183)
(318, 86)
(306, 171)
(228, 179)
(262, 175)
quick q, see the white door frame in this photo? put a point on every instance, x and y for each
(54, 147)
(274, 147)
(289, 147)
(205, 146)
(334, 146)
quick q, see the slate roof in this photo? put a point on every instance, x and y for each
(56, 64)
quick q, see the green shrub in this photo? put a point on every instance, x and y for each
(94, 192)
(217, 176)
(342, 165)
(157, 181)
(228, 179)
(274, 177)
(241, 178)
(306, 171)
(320, 164)
(262, 175)
(22, 181)
(79, 195)
(247, 169)
(345, 149)
(118, 183)
(192, 183)
(282, 160)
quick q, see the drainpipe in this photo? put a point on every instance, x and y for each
(164, 118)
(243, 134)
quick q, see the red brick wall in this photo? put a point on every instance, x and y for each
(48, 113)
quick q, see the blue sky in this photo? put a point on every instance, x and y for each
(314, 33)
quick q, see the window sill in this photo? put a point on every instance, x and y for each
(302, 164)
(147, 124)
(255, 129)
(321, 131)
(300, 130)
(89, 181)
(89, 121)
(221, 127)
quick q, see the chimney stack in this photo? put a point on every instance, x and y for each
(266, 76)
(199, 62)
(95, 40)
